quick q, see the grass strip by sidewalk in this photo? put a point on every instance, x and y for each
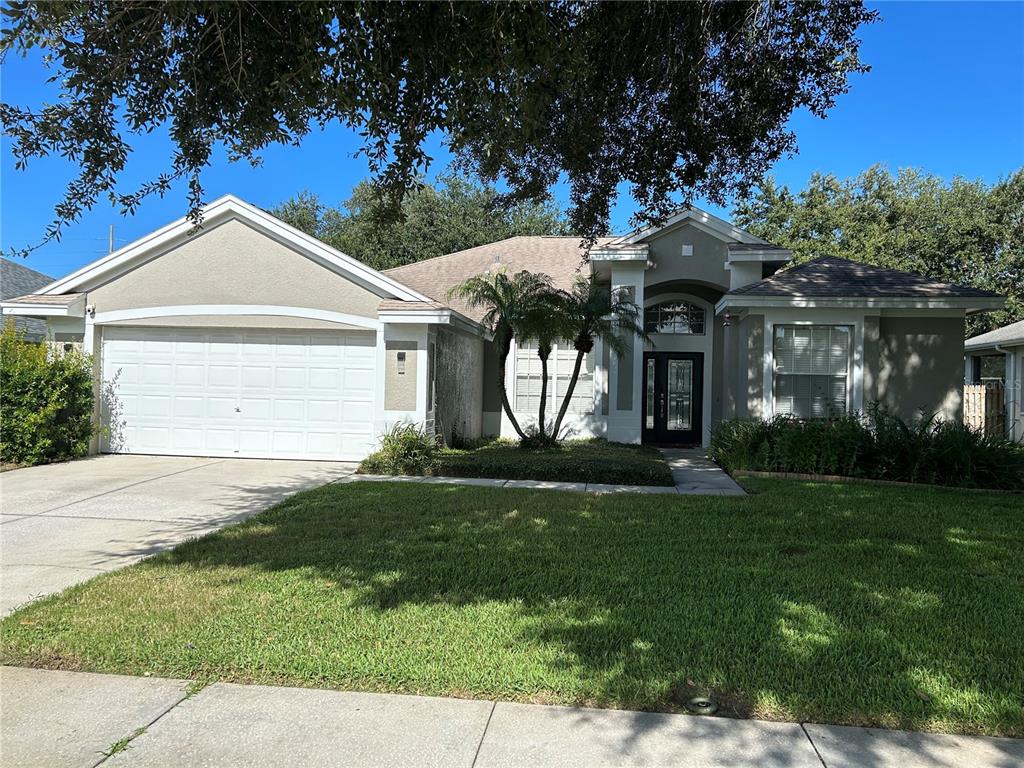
(823, 602)
(573, 461)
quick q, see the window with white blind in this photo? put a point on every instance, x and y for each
(812, 365)
(560, 365)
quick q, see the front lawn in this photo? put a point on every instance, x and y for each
(824, 602)
(576, 461)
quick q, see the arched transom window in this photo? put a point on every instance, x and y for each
(674, 316)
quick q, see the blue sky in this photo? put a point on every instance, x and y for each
(945, 94)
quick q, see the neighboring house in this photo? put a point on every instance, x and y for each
(250, 338)
(17, 280)
(1008, 343)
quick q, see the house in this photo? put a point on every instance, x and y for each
(249, 338)
(1006, 343)
(17, 280)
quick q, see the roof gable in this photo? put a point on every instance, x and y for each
(703, 220)
(221, 210)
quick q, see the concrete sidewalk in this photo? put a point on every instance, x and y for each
(81, 720)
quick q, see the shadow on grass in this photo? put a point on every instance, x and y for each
(853, 604)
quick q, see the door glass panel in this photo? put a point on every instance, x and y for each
(680, 394)
(650, 393)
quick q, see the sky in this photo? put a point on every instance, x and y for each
(945, 95)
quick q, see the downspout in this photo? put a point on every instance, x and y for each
(1013, 405)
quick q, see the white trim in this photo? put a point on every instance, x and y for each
(75, 309)
(701, 219)
(620, 253)
(417, 317)
(853, 302)
(760, 255)
(229, 206)
(855, 370)
(700, 343)
(432, 317)
(268, 310)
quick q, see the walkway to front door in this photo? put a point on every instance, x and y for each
(695, 473)
(673, 398)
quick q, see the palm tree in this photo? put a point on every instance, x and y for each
(593, 311)
(547, 321)
(511, 306)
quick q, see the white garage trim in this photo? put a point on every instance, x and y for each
(186, 310)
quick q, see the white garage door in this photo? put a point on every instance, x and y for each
(264, 394)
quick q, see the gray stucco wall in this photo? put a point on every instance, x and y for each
(871, 338)
(920, 365)
(399, 388)
(715, 368)
(459, 385)
(491, 395)
(706, 265)
(624, 396)
(749, 381)
(232, 263)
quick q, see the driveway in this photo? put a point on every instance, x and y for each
(61, 524)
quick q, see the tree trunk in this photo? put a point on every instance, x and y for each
(568, 393)
(543, 353)
(502, 359)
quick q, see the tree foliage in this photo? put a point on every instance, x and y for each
(964, 232)
(46, 401)
(676, 99)
(510, 303)
(455, 215)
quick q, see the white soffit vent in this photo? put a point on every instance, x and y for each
(687, 250)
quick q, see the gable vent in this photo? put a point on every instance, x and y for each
(687, 250)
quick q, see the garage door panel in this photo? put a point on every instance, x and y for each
(261, 394)
(289, 378)
(289, 410)
(188, 407)
(221, 375)
(325, 379)
(323, 443)
(155, 373)
(259, 376)
(189, 375)
(221, 407)
(188, 439)
(358, 380)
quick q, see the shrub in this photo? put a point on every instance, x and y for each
(46, 402)
(878, 445)
(579, 461)
(405, 449)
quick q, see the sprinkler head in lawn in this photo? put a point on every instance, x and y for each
(701, 705)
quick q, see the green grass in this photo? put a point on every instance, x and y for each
(579, 461)
(824, 602)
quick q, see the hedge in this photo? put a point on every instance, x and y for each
(878, 446)
(46, 402)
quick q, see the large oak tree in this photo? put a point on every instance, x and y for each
(452, 215)
(677, 99)
(962, 231)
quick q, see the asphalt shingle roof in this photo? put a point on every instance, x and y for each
(1011, 334)
(558, 257)
(17, 280)
(832, 277)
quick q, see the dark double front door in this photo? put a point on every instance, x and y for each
(673, 398)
